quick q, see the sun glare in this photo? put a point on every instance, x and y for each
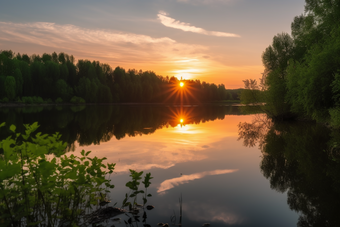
(181, 84)
(181, 120)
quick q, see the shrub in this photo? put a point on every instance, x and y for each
(27, 100)
(4, 100)
(49, 188)
(18, 100)
(335, 117)
(58, 100)
(48, 101)
(76, 99)
(37, 99)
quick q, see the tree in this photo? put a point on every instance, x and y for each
(275, 60)
(63, 90)
(83, 89)
(46, 57)
(61, 58)
(10, 87)
(277, 55)
(19, 81)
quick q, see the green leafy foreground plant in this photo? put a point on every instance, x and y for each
(41, 186)
(134, 190)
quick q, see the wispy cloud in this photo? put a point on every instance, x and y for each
(172, 23)
(109, 46)
(168, 184)
(163, 55)
(205, 1)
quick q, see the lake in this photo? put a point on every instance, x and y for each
(221, 165)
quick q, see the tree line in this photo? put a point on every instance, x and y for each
(301, 76)
(57, 78)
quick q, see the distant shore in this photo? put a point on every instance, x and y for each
(13, 104)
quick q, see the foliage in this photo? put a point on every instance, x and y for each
(27, 100)
(58, 100)
(63, 90)
(40, 186)
(4, 100)
(251, 94)
(86, 125)
(336, 89)
(10, 87)
(37, 99)
(335, 117)
(76, 99)
(301, 159)
(56, 75)
(133, 185)
(301, 72)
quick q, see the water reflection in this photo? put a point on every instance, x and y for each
(217, 176)
(170, 183)
(301, 158)
(95, 124)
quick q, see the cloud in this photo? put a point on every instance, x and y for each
(205, 1)
(108, 46)
(170, 183)
(172, 23)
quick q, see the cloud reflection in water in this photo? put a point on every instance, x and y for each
(203, 212)
(171, 183)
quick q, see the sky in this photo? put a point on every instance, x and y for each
(217, 41)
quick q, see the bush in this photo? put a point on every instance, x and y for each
(4, 100)
(76, 99)
(335, 117)
(78, 185)
(48, 101)
(27, 100)
(18, 100)
(37, 99)
(58, 100)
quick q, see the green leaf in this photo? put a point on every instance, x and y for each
(12, 128)
(2, 124)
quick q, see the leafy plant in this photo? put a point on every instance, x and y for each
(39, 185)
(133, 185)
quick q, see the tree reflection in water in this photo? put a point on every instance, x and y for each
(95, 124)
(302, 158)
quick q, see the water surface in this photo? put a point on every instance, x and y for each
(226, 173)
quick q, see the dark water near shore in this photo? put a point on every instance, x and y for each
(230, 165)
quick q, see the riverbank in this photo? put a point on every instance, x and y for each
(14, 104)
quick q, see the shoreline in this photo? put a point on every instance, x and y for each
(113, 104)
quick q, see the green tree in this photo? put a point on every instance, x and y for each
(63, 90)
(46, 57)
(19, 81)
(10, 87)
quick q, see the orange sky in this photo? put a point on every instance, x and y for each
(217, 41)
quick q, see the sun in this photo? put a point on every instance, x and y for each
(181, 84)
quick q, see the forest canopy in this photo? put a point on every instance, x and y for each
(301, 76)
(57, 78)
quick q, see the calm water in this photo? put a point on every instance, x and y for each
(230, 168)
